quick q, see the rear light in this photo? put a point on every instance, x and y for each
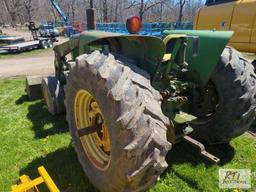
(133, 24)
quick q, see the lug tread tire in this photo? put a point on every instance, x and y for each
(132, 108)
(55, 95)
(235, 80)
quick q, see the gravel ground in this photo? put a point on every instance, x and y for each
(29, 63)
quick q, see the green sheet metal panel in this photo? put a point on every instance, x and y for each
(210, 46)
(147, 51)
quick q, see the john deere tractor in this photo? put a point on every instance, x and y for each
(129, 98)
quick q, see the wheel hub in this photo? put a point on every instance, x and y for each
(95, 137)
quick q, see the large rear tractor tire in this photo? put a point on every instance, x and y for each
(53, 95)
(126, 151)
(226, 106)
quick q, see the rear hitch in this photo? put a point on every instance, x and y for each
(201, 148)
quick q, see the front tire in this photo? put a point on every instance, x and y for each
(231, 93)
(53, 95)
(132, 114)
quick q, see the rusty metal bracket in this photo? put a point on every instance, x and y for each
(89, 130)
(201, 148)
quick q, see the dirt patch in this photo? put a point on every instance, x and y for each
(27, 65)
(21, 65)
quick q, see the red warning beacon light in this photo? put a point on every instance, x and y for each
(133, 24)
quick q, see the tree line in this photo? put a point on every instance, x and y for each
(21, 11)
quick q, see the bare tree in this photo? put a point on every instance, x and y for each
(182, 4)
(162, 12)
(54, 14)
(30, 7)
(105, 10)
(14, 11)
(72, 7)
(191, 7)
(144, 6)
(116, 9)
(12, 7)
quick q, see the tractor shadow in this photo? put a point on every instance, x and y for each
(252, 129)
(183, 153)
(22, 99)
(44, 124)
(64, 169)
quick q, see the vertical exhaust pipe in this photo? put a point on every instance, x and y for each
(91, 20)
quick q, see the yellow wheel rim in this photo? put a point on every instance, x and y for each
(97, 144)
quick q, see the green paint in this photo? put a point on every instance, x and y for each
(147, 51)
(182, 117)
(210, 46)
(194, 56)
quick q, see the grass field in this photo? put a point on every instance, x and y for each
(30, 137)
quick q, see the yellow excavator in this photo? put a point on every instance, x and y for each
(235, 15)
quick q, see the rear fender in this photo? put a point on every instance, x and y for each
(147, 51)
(203, 52)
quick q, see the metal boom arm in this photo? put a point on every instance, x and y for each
(59, 10)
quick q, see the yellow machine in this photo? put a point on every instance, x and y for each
(236, 15)
(28, 185)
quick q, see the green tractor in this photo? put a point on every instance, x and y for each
(129, 98)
